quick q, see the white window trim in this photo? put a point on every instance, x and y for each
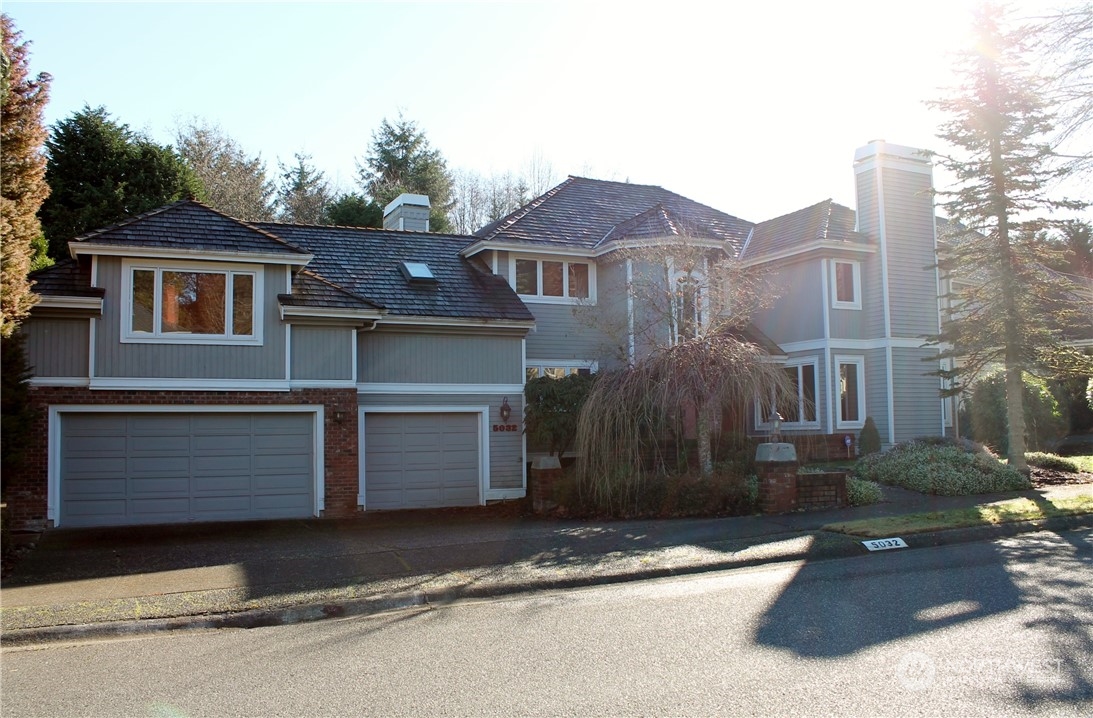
(566, 364)
(566, 261)
(836, 396)
(761, 423)
(128, 266)
(856, 273)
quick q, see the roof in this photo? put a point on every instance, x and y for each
(588, 213)
(365, 263)
(825, 221)
(311, 290)
(191, 226)
(66, 278)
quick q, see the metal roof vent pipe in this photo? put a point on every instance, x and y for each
(408, 212)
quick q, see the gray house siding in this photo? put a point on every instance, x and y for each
(57, 347)
(506, 447)
(912, 281)
(113, 358)
(438, 358)
(559, 333)
(797, 314)
(322, 353)
(876, 389)
(915, 393)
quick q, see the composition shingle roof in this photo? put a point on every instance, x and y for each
(366, 263)
(587, 213)
(189, 225)
(825, 221)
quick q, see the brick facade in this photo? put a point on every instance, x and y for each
(27, 493)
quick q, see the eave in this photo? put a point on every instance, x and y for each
(811, 248)
(76, 249)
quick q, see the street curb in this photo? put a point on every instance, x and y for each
(306, 613)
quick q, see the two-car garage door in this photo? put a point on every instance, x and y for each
(161, 467)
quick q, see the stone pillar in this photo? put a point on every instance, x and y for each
(776, 467)
(545, 472)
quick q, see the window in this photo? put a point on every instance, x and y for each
(687, 301)
(799, 409)
(552, 279)
(846, 281)
(850, 391)
(558, 370)
(191, 303)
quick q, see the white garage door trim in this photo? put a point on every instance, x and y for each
(57, 412)
(483, 439)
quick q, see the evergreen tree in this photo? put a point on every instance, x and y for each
(353, 210)
(22, 176)
(303, 194)
(400, 159)
(234, 183)
(101, 172)
(1017, 313)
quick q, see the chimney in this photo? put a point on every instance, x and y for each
(895, 206)
(408, 212)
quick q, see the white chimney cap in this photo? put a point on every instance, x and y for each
(416, 200)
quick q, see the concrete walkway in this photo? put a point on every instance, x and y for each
(83, 583)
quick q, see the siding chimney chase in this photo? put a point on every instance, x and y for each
(408, 212)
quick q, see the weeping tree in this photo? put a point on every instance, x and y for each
(687, 352)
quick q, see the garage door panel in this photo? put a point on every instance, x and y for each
(193, 466)
(421, 460)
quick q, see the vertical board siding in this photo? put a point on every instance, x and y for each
(916, 393)
(912, 280)
(798, 313)
(506, 447)
(57, 347)
(395, 357)
(322, 352)
(116, 359)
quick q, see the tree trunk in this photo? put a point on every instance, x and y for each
(703, 439)
(1015, 418)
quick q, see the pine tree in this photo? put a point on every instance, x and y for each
(400, 159)
(1017, 313)
(22, 176)
(303, 194)
(101, 172)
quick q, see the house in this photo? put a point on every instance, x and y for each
(857, 292)
(193, 367)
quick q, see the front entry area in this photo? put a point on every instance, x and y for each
(169, 466)
(421, 460)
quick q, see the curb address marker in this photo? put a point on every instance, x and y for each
(884, 544)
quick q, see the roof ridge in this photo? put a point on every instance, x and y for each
(130, 220)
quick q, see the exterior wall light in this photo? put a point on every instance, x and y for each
(505, 410)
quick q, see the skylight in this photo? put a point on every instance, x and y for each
(418, 272)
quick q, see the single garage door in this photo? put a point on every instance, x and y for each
(420, 460)
(142, 468)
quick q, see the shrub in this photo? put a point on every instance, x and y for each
(940, 468)
(986, 413)
(552, 409)
(861, 493)
(869, 439)
(1052, 461)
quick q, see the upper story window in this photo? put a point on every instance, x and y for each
(688, 300)
(846, 284)
(553, 280)
(191, 303)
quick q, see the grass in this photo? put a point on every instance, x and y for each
(999, 512)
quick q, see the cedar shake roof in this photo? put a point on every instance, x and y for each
(365, 264)
(826, 221)
(192, 226)
(586, 213)
(311, 290)
(66, 278)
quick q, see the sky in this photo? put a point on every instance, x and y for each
(754, 108)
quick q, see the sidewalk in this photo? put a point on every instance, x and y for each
(100, 582)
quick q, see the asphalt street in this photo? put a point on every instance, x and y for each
(981, 629)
